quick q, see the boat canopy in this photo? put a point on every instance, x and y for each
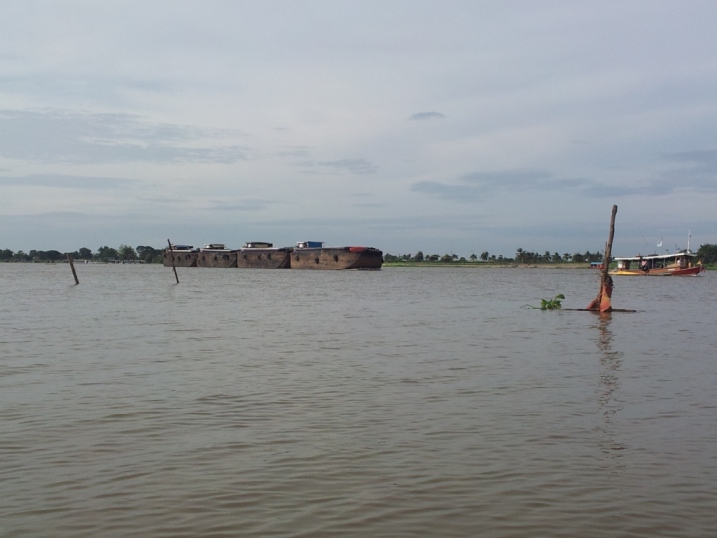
(310, 244)
(656, 256)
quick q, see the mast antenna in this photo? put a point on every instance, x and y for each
(689, 234)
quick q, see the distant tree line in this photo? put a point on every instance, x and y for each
(521, 256)
(146, 254)
(124, 253)
(707, 253)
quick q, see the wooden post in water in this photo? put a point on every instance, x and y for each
(171, 254)
(72, 266)
(602, 301)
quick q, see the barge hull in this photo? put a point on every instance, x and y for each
(216, 259)
(181, 259)
(256, 258)
(334, 258)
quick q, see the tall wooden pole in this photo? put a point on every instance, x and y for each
(608, 247)
(171, 254)
(602, 301)
(72, 266)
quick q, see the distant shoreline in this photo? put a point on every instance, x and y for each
(489, 265)
(419, 265)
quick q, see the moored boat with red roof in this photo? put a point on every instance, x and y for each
(683, 263)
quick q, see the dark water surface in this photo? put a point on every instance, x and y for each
(405, 402)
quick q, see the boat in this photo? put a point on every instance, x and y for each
(262, 255)
(216, 255)
(683, 263)
(184, 256)
(314, 255)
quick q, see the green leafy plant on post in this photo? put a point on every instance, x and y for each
(556, 303)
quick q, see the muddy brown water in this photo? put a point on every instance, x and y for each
(402, 402)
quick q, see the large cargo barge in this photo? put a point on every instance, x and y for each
(314, 255)
(262, 255)
(216, 255)
(184, 256)
(259, 255)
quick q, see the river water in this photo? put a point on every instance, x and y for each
(403, 402)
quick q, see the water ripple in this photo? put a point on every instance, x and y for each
(392, 403)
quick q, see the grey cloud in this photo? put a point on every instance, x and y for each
(690, 180)
(481, 185)
(67, 182)
(697, 157)
(353, 166)
(51, 136)
(293, 152)
(510, 178)
(465, 193)
(598, 190)
(698, 171)
(421, 116)
(248, 205)
(102, 89)
(668, 183)
(482, 191)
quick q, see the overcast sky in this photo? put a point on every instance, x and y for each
(441, 126)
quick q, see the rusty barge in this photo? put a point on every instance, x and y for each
(263, 255)
(184, 256)
(216, 255)
(314, 255)
(259, 255)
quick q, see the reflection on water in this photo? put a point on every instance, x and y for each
(395, 403)
(609, 383)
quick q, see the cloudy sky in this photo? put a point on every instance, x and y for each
(441, 126)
